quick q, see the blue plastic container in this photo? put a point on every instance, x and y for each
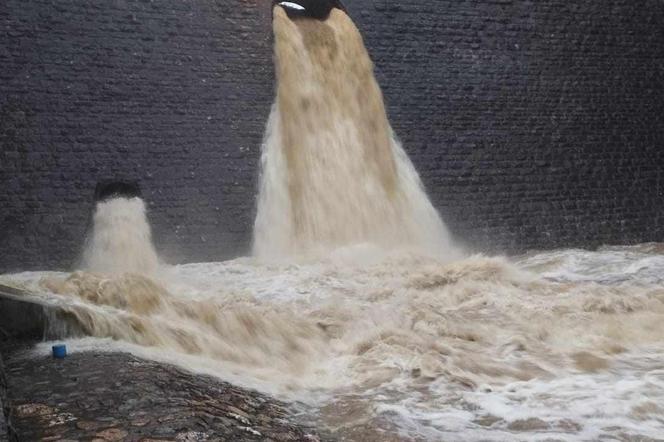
(59, 351)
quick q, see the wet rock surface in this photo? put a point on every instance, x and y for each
(4, 432)
(119, 397)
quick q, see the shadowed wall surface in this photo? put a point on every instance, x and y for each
(533, 124)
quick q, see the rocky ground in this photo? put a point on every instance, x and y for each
(118, 397)
(4, 432)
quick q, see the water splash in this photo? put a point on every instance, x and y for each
(121, 239)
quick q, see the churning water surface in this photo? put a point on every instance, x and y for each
(564, 345)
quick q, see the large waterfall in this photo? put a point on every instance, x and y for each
(333, 173)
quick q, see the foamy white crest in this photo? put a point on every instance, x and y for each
(121, 239)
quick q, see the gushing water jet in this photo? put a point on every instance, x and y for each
(333, 174)
(120, 240)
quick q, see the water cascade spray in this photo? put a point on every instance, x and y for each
(120, 240)
(332, 172)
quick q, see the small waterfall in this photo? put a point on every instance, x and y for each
(333, 173)
(121, 239)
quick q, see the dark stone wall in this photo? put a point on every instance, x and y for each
(173, 93)
(533, 124)
(4, 408)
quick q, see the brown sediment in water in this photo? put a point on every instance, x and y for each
(405, 329)
(138, 310)
(121, 239)
(458, 321)
(325, 81)
(589, 362)
(333, 174)
(131, 292)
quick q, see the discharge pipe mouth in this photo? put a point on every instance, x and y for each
(109, 189)
(316, 9)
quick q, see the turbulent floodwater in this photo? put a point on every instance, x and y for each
(564, 345)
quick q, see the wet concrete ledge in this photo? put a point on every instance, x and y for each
(20, 318)
(4, 430)
(119, 397)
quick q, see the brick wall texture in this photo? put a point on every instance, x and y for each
(534, 124)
